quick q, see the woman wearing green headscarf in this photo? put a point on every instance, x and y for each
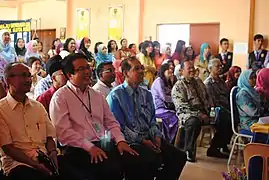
(202, 61)
(248, 100)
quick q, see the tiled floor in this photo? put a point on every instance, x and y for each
(205, 168)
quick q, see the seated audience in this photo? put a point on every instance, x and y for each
(52, 52)
(45, 83)
(119, 78)
(102, 55)
(58, 80)
(178, 56)
(219, 96)
(84, 49)
(7, 52)
(42, 55)
(202, 60)
(133, 49)
(91, 136)
(178, 71)
(24, 129)
(189, 53)
(147, 62)
(164, 106)
(106, 76)
(232, 77)
(133, 107)
(68, 47)
(124, 51)
(157, 56)
(35, 66)
(248, 100)
(225, 57)
(112, 47)
(166, 50)
(191, 106)
(20, 49)
(258, 58)
(262, 87)
(32, 50)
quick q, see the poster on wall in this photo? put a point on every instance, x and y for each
(17, 29)
(62, 34)
(83, 23)
(115, 22)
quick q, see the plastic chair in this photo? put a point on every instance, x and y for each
(257, 150)
(235, 120)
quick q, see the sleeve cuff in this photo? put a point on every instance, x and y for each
(87, 145)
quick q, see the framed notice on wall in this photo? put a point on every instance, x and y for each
(115, 22)
(83, 23)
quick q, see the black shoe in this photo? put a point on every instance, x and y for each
(214, 152)
(190, 156)
(225, 150)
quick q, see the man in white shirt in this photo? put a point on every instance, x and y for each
(106, 76)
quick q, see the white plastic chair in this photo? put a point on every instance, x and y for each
(234, 118)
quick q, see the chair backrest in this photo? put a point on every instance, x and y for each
(252, 150)
(234, 111)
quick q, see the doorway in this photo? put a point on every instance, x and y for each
(192, 34)
(46, 36)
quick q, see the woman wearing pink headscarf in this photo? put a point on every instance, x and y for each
(262, 87)
(32, 50)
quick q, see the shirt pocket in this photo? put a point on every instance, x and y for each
(40, 135)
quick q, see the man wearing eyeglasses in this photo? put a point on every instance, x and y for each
(133, 107)
(85, 126)
(24, 128)
(106, 75)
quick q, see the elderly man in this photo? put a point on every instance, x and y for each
(24, 129)
(85, 126)
(106, 75)
(191, 105)
(219, 93)
(54, 68)
(133, 107)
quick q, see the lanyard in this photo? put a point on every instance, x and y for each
(89, 97)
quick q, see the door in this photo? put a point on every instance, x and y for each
(205, 33)
(46, 36)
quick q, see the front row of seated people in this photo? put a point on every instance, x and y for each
(83, 122)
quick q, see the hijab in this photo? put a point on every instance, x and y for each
(231, 80)
(244, 85)
(262, 85)
(202, 50)
(101, 57)
(84, 50)
(7, 52)
(30, 52)
(20, 51)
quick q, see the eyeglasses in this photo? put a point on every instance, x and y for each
(137, 68)
(110, 70)
(23, 75)
(83, 68)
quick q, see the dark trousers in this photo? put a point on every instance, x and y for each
(66, 171)
(224, 131)
(192, 128)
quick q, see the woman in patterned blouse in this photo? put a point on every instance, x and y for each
(248, 100)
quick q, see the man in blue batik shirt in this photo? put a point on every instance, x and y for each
(133, 107)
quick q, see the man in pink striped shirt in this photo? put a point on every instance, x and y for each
(90, 134)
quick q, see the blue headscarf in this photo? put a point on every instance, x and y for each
(244, 85)
(7, 52)
(101, 57)
(202, 50)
